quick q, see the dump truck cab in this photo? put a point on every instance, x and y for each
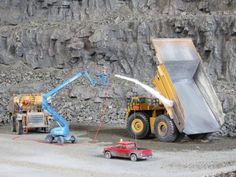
(139, 103)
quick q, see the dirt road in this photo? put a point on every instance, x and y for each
(28, 155)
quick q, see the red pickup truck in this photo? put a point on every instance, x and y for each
(127, 149)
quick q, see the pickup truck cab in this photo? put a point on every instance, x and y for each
(127, 149)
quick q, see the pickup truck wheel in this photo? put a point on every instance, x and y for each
(19, 127)
(138, 125)
(133, 157)
(60, 140)
(107, 155)
(165, 129)
(49, 138)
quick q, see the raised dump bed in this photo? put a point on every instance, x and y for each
(180, 77)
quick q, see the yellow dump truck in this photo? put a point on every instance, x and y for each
(26, 113)
(180, 77)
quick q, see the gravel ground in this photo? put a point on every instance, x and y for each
(28, 155)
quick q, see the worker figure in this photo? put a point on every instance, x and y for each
(20, 108)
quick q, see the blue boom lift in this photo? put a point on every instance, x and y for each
(61, 134)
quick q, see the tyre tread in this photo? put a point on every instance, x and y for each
(173, 132)
(145, 119)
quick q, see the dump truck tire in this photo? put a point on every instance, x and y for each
(138, 125)
(19, 127)
(165, 129)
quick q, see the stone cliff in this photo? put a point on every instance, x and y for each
(42, 42)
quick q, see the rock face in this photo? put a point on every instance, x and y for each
(43, 42)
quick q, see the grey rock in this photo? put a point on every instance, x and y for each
(98, 100)
(76, 45)
(5, 58)
(19, 49)
(82, 92)
(203, 6)
(105, 93)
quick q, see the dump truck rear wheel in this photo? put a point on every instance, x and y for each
(138, 125)
(19, 127)
(165, 129)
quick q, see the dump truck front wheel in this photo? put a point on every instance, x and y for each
(138, 125)
(165, 129)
